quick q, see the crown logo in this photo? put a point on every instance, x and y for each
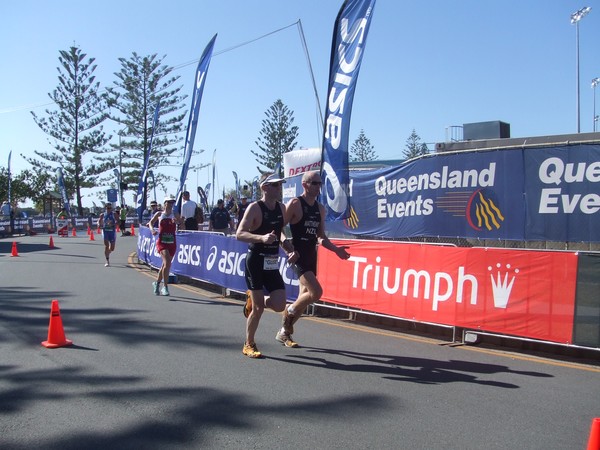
(501, 287)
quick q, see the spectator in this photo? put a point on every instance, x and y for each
(188, 212)
(241, 209)
(220, 219)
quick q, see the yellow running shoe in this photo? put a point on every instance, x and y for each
(251, 351)
(286, 339)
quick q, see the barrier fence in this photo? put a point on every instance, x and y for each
(549, 296)
(41, 224)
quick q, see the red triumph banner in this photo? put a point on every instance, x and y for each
(523, 293)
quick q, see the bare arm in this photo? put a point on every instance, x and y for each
(340, 251)
(250, 222)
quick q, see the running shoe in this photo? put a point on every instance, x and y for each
(164, 291)
(248, 305)
(106, 264)
(286, 339)
(251, 351)
(288, 322)
(156, 287)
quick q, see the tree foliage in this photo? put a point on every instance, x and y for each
(24, 185)
(414, 146)
(142, 83)
(277, 136)
(75, 129)
(361, 149)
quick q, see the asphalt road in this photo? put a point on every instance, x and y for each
(150, 372)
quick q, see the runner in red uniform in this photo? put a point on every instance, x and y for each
(166, 243)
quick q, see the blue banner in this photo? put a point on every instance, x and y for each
(143, 185)
(459, 195)
(63, 190)
(562, 193)
(200, 80)
(210, 257)
(535, 194)
(349, 40)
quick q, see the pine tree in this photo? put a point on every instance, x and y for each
(277, 136)
(414, 147)
(75, 129)
(361, 149)
(141, 84)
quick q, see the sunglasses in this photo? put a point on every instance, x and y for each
(316, 183)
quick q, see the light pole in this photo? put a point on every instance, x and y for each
(151, 175)
(595, 83)
(575, 18)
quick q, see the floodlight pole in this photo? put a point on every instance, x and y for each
(575, 18)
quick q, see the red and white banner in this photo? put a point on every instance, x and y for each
(522, 293)
(296, 162)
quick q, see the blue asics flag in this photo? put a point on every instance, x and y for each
(63, 190)
(193, 119)
(142, 186)
(348, 44)
(9, 183)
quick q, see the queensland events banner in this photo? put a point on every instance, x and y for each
(562, 187)
(549, 193)
(521, 293)
(347, 47)
(210, 257)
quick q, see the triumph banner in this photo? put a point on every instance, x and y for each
(200, 80)
(516, 292)
(348, 43)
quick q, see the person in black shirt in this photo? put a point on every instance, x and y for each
(261, 227)
(220, 220)
(306, 217)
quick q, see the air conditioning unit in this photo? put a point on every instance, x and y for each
(440, 147)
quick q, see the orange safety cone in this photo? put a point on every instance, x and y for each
(56, 333)
(118, 229)
(132, 230)
(92, 237)
(51, 244)
(98, 230)
(14, 251)
(89, 231)
(74, 233)
(594, 440)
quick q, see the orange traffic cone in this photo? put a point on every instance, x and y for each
(98, 230)
(132, 230)
(118, 229)
(89, 231)
(14, 251)
(51, 244)
(74, 233)
(56, 333)
(594, 440)
(92, 237)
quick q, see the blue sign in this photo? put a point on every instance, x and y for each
(112, 195)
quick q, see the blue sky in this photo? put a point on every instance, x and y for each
(427, 66)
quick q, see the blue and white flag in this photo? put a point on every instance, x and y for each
(214, 165)
(201, 72)
(348, 44)
(9, 184)
(237, 184)
(203, 198)
(63, 190)
(143, 185)
(207, 191)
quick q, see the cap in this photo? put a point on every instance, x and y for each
(169, 198)
(220, 201)
(153, 203)
(272, 179)
(185, 193)
(243, 197)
